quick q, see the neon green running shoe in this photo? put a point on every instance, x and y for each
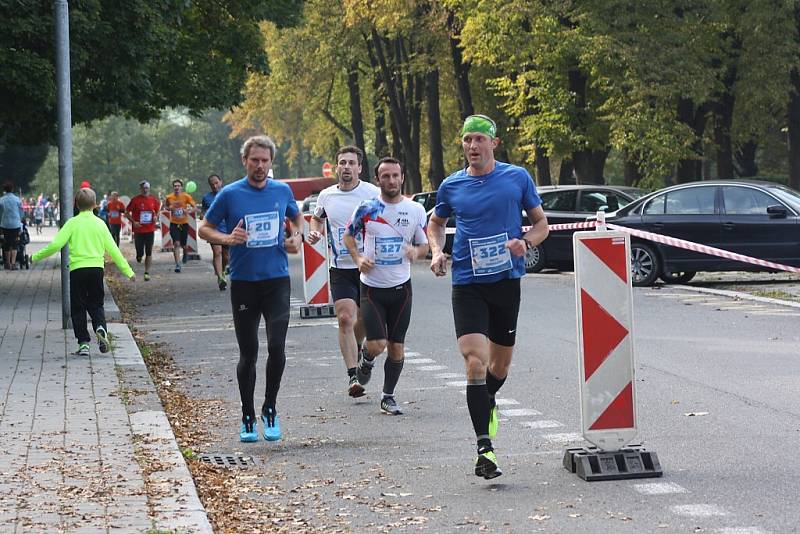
(486, 465)
(493, 418)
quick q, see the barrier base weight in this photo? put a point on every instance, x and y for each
(591, 464)
(315, 311)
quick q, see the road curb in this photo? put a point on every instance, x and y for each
(736, 294)
(178, 509)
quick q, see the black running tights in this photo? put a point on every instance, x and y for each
(250, 301)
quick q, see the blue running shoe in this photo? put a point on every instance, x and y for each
(272, 425)
(248, 432)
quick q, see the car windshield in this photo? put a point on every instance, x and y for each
(790, 196)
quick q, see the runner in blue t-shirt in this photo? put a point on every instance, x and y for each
(255, 208)
(220, 252)
(487, 199)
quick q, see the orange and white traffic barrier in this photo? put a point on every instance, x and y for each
(166, 239)
(604, 302)
(316, 283)
(192, 250)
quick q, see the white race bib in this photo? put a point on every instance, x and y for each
(114, 214)
(388, 250)
(263, 229)
(490, 255)
(178, 212)
(339, 232)
(145, 217)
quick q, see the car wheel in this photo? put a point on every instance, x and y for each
(534, 259)
(677, 278)
(644, 265)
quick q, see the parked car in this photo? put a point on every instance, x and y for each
(758, 219)
(427, 199)
(570, 204)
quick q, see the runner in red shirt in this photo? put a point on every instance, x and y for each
(143, 211)
(115, 209)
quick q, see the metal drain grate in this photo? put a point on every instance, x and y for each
(227, 460)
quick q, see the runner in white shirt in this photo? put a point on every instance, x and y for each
(335, 205)
(393, 232)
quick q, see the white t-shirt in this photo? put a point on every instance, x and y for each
(336, 207)
(385, 240)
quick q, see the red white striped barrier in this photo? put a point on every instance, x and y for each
(672, 241)
(604, 296)
(316, 283)
(166, 239)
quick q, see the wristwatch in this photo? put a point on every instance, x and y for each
(528, 244)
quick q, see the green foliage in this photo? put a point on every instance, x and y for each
(117, 153)
(130, 58)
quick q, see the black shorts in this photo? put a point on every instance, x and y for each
(386, 311)
(143, 244)
(10, 238)
(488, 309)
(345, 284)
(179, 233)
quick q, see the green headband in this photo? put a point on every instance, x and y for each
(479, 124)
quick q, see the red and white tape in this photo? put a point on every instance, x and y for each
(672, 241)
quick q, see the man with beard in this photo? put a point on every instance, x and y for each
(392, 229)
(220, 252)
(335, 205)
(254, 208)
(487, 198)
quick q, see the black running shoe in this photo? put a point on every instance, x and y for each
(222, 283)
(364, 367)
(389, 406)
(355, 389)
(486, 464)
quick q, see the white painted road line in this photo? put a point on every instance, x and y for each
(431, 367)
(563, 437)
(448, 375)
(659, 488)
(546, 423)
(506, 402)
(520, 412)
(420, 360)
(699, 510)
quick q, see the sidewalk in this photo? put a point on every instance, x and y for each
(84, 443)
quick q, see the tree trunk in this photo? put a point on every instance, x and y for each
(745, 164)
(542, 162)
(460, 67)
(589, 165)
(356, 118)
(396, 93)
(633, 175)
(566, 174)
(723, 118)
(436, 167)
(690, 169)
(378, 107)
(794, 131)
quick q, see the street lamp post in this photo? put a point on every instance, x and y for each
(64, 143)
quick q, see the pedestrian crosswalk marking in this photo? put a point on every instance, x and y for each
(547, 423)
(699, 510)
(659, 488)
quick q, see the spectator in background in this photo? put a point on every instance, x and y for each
(11, 215)
(114, 210)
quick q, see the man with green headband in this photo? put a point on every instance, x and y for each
(487, 199)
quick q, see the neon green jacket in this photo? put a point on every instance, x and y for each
(88, 239)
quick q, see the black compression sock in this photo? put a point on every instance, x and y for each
(351, 371)
(478, 405)
(493, 384)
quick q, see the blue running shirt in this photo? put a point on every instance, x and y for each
(488, 212)
(263, 211)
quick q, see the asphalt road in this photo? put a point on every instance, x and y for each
(731, 467)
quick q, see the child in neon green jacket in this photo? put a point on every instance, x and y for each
(88, 239)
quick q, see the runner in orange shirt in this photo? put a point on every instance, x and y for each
(115, 209)
(179, 205)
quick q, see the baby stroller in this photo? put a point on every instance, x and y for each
(23, 260)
